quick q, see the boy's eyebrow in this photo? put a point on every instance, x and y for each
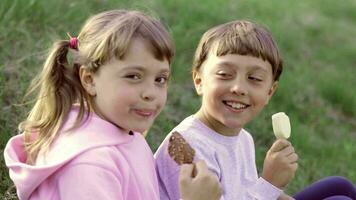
(231, 64)
(227, 64)
(136, 67)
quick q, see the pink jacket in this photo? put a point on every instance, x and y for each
(95, 161)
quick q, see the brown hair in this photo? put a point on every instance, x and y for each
(103, 36)
(239, 37)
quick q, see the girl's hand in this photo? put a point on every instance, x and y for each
(285, 197)
(280, 163)
(203, 186)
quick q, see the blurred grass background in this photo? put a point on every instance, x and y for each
(316, 38)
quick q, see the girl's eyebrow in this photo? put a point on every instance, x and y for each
(141, 68)
(165, 70)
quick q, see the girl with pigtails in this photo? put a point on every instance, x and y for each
(83, 137)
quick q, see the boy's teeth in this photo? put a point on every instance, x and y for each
(236, 105)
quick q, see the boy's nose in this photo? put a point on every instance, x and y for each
(239, 88)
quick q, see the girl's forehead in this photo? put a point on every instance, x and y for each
(138, 57)
(140, 48)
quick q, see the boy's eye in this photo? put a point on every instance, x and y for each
(133, 76)
(223, 74)
(255, 78)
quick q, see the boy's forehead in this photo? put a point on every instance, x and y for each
(238, 60)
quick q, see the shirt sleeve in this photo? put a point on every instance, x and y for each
(168, 171)
(84, 181)
(263, 190)
(167, 174)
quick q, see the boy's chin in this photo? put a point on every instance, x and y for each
(233, 124)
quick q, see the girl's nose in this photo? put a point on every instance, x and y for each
(148, 93)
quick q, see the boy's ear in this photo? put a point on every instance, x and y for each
(272, 90)
(87, 79)
(197, 83)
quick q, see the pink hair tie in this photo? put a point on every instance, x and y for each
(73, 43)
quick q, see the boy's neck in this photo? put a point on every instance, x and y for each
(216, 125)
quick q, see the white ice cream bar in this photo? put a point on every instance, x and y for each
(281, 125)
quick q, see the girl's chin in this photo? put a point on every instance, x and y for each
(143, 130)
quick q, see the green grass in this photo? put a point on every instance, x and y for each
(316, 89)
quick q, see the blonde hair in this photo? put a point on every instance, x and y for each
(239, 37)
(103, 36)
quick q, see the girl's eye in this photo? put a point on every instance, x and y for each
(162, 80)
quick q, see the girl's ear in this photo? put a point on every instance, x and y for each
(197, 83)
(272, 90)
(87, 80)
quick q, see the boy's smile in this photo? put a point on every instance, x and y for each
(236, 106)
(234, 89)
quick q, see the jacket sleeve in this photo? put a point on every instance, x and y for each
(85, 181)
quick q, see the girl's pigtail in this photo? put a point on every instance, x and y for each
(59, 89)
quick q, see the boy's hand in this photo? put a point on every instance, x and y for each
(280, 163)
(203, 186)
(285, 197)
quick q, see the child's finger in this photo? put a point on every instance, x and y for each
(201, 167)
(207, 177)
(201, 170)
(280, 144)
(293, 158)
(288, 150)
(294, 166)
(186, 172)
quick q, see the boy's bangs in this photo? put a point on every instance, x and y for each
(247, 44)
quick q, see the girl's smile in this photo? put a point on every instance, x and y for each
(145, 113)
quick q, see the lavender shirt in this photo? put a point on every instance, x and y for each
(232, 159)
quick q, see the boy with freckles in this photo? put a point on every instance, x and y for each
(236, 70)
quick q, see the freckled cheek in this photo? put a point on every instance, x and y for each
(128, 92)
(162, 96)
(260, 99)
(126, 96)
(217, 91)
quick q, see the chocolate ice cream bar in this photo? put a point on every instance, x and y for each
(179, 150)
